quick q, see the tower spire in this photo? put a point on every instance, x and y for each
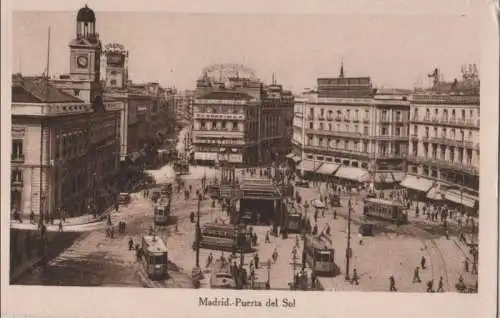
(47, 70)
(341, 68)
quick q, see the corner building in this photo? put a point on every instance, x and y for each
(238, 119)
(65, 135)
(347, 130)
(443, 164)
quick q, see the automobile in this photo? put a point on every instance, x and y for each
(124, 198)
(366, 229)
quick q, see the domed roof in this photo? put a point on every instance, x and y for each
(85, 14)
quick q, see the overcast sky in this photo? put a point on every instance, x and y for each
(173, 48)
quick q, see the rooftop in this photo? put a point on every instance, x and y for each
(38, 90)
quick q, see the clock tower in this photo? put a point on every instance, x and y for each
(85, 55)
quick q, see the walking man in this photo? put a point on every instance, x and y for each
(392, 284)
(422, 262)
(416, 275)
(430, 286)
(355, 277)
(440, 285)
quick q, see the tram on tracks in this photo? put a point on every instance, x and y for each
(320, 257)
(392, 211)
(154, 257)
(162, 211)
(181, 167)
(224, 237)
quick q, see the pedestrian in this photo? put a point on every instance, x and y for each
(334, 214)
(130, 244)
(267, 240)
(355, 277)
(256, 259)
(430, 286)
(440, 285)
(416, 275)
(60, 226)
(392, 284)
(422, 262)
(466, 265)
(32, 217)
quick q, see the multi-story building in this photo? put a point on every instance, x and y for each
(443, 163)
(65, 141)
(349, 130)
(238, 119)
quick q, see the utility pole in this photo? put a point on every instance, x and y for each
(198, 233)
(348, 249)
(303, 137)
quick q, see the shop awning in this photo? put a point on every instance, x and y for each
(296, 158)
(435, 194)
(290, 155)
(398, 176)
(383, 177)
(416, 183)
(308, 165)
(351, 173)
(462, 199)
(328, 169)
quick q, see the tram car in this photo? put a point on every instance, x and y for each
(320, 256)
(166, 189)
(181, 167)
(385, 210)
(221, 277)
(154, 257)
(295, 222)
(162, 211)
(224, 237)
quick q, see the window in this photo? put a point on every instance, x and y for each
(330, 127)
(427, 113)
(398, 131)
(462, 136)
(346, 127)
(367, 114)
(434, 173)
(356, 114)
(321, 126)
(311, 125)
(338, 127)
(453, 133)
(112, 82)
(365, 130)
(398, 116)
(414, 169)
(426, 171)
(415, 114)
(383, 117)
(435, 132)
(445, 114)
(470, 136)
(453, 114)
(356, 128)
(415, 130)
(235, 125)
(452, 154)
(322, 112)
(443, 134)
(384, 131)
(17, 149)
(442, 153)
(348, 114)
(436, 111)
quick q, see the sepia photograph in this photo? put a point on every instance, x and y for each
(355, 174)
(320, 153)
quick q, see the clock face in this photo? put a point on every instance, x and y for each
(82, 61)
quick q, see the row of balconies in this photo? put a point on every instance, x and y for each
(447, 141)
(456, 165)
(234, 129)
(375, 155)
(356, 135)
(338, 118)
(453, 121)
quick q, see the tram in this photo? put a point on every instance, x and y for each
(181, 167)
(320, 257)
(295, 222)
(166, 189)
(224, 237)
(162, 211)
(386, 210)
(155, 256)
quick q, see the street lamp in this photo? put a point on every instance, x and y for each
(198, 232)
(348, 249)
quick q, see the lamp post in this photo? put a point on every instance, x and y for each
(268, 286)
(198, 232)
(348, 249)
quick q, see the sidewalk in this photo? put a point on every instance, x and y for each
(72, 223)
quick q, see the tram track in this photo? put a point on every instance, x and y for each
(433, 252)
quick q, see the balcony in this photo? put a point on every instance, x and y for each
(335, 151)
(391, 138)
(329, 118)
(448, 121)
(336, 133)
(16, 183)
(446, 164)
(385, 120)
(450, 142)
(387, 155)
(366, 120)
(356, 120)
(347, 118)
(321, 117)
(310, 117)
(338, 118)
(414, 137)
(17, 158)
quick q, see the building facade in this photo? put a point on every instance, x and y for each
(443, 163)
(349, 130)
(65, 151)
(66, 135)
(238, 119)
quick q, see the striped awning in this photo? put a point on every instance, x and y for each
(435, 194)
(328, 169)
(398, 176)
(309, 165)
(351, 173)
(461, 198)
(416, 183)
